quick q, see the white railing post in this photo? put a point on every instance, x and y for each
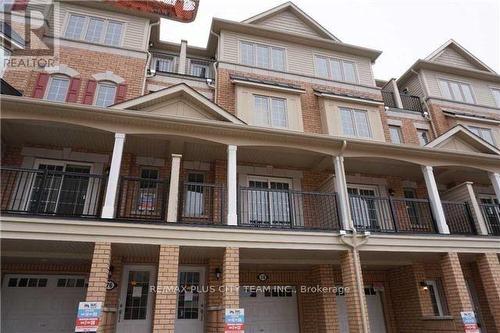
(495, 181)
(173, 193)
(232, 217)
(435, 200)
(341, 188)
(109, 208)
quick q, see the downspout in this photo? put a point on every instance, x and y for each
(427, 113)
(215, 65)
(355, 245)
(148, 58)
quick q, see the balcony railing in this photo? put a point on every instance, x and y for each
(410, 102)
(51, 192)
(391, 214)
(458, 217)
(202, 204)
(270, 208)
(142, 198)
(491, 215)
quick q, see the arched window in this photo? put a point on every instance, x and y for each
(61, 84)
(105, 94)
(57, 89)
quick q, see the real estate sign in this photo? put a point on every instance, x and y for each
(234, 320)
(469, 321)
(88, 316)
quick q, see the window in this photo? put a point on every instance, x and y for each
(94, 30)
(194, 196)
(268, 201)
(58, 88)
(437, 297)
(355, 123)
(396, 136)
(456, 91)
(336, 69)
(483, 133)
(199, 68)
(165, 65)
(271, 111)
(496, 95)
(75, 25)
(148, 190)
(106, 93)
(263, 56)
(423, 136)
(113, 33)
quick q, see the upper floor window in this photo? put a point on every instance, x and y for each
(263, 56)
(496, 95)
(355, 123)
(165, 64)
(271, 111)
(396, 136)
(57, 88)
(456, 91)
(483, 133)
(423, 136)
(199, 68)
(106, 94)
(336, 69)
(94, 30)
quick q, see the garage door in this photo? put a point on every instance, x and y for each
(375, 311)
(273, 310)
(41, 303)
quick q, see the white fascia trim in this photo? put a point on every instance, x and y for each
(267, 86)
(455, 130)
(451, 114)
(349, 99)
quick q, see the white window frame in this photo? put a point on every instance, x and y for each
(49, 84)
(270, 47)
(329, 60)
(399, 131)
(104, 83)
(270, 110)
(452, 96)
(493, 90)
(85, 27)
(354, 123)
(418, 136)
(437, 294)
(480, 130)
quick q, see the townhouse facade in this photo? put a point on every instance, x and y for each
(270, 165)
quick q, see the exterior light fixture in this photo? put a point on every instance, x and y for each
(218, 273)
(424, 286)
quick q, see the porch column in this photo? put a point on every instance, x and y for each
(230, 281)
(98, 279)
(495, 181)
(455, 287)
(435, 200)
(173, 193)
(165, 308)
(109, 209)
(489, 270)
(341, 186)
(357, 311)
(397, 96)
(327, 308)
(232, 217)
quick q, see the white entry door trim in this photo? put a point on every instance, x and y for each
(135, 313)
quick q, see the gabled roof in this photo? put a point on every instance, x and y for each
(466, 138)
(452, 44)
(179, 91)
(299, 13)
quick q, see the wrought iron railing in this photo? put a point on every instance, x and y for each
(491, 216)
(411, 102)
(388, 97)
(391, 214)
(458, 217)
(142, 198)
(202, 203)
(267, 208)
(51, 192)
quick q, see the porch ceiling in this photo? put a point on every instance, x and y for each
(382, 167)
(279, 156)
(458, 175)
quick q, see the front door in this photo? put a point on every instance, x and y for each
(190, 300)
(136, 302)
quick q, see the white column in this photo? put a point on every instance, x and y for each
(341, 187)
(232, 217)
(495, 181)
(182, 66)
(436, 206)
(397, 96)
(108, 211)
(173, 193)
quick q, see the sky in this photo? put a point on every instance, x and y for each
(405, 30)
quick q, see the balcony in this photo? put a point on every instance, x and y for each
(287, 209)
(410, 102)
